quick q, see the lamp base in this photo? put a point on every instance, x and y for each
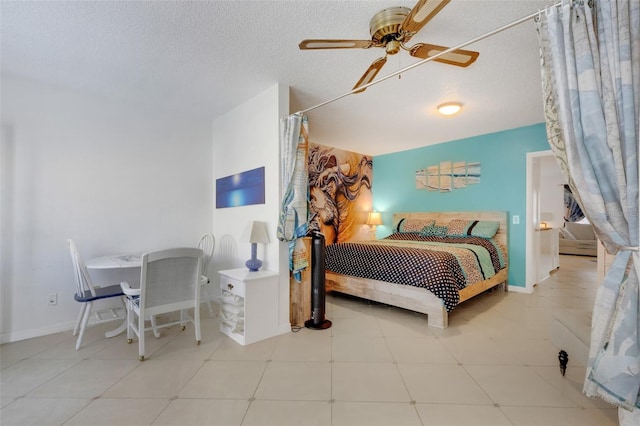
(253, 264)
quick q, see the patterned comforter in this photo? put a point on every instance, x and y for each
(441, 265)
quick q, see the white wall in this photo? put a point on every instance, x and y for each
(111, 176)
(552, 182)
(249, 134)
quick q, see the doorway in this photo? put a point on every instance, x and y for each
(544, 216)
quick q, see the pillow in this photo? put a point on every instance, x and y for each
(413, 225)
(473, 228)
(483, 228)
(434, 231)
(457, 228)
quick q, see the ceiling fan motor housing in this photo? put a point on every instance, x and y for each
(385, 27)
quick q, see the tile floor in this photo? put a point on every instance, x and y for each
(376, 365)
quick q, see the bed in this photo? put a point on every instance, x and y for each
(413, 282)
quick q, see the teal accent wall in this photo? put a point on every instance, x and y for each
(502, 187)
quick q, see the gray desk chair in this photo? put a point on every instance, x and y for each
(169, 282)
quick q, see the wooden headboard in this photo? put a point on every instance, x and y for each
(443, 219)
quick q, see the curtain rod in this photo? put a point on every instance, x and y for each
(430, 58)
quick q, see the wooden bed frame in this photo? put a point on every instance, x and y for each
(419, 299)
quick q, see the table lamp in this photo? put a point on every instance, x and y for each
(374, 219)
(545, 218)
(256, 233)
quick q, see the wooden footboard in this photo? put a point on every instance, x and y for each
(405, 296)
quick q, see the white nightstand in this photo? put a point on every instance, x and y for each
(249, 306)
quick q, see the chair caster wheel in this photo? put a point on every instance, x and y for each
(129, 341)
(183, 327)
(198, 342)
(141, 358)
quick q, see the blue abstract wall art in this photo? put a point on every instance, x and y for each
(241, 189)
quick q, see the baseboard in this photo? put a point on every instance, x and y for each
(37, 332)
(518, 289)
(284, 328)
(56, 328)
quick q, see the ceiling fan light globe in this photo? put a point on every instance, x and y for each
(392, 47)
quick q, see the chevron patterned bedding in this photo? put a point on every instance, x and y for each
(442, 265)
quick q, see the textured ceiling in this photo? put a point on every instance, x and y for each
(204, 58)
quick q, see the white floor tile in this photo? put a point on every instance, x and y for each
(41, 411)
(374, 414)
(419, 350)
(203, 412)
(288, 413)
(571, 385)
(25, 376)
(229, 350)
(364, 325)
(461, 415)
(441, 383)
(371, 382)
(296, 381)
(402, 323)
(348, 348)
(87, 379)
(304, 345)
(184, 346)
(155, 378)
(225, 379)
(515, 385)
(30, 347)
(549, 416)
(478, 349)
(109, 412)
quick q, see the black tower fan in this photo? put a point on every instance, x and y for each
(318, 291)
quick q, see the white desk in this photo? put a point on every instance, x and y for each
(115, 261)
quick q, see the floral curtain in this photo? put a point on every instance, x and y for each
(590, 68)
(292, 224)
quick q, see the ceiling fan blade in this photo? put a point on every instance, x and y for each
(458, 57)
(371, 73)
(335, 44)
(421, 13)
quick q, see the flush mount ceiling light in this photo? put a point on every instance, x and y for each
(449, 108)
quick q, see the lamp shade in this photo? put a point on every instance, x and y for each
(256, 232)
(374, 218)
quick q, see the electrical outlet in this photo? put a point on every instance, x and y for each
(52, 299)
(516, 220)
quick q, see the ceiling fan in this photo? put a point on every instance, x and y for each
(390, 29)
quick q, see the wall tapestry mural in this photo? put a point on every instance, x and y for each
(339, 193)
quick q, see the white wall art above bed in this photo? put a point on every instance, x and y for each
(448, 176)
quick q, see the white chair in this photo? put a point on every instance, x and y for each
(87, 293)
(169, 282)
(207, 244)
